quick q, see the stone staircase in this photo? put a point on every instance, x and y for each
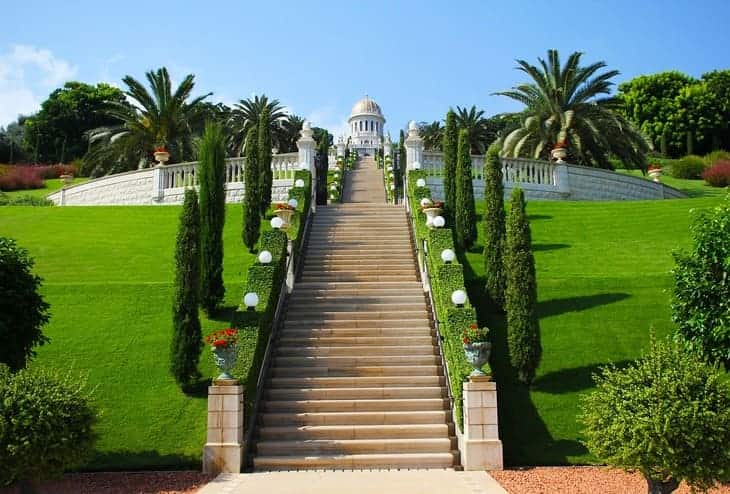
(356, 380)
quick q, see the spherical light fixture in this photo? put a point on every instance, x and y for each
(251, 300)
(277, 222)
(416, 165)
(293, 203)
(390, 168)
(391, 175)
(333, 187)
(420, 182)
(439, 222)
(392, 186)
(426, 202)
(299, 183)
(458, 298)
(265, 257)
(448, 255)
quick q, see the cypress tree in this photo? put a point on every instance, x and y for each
(450, 143)
(465, 212)
(266, 176)
(520, 297)
(186, 337)
(494, 226)
(251, 201)
(401, 161)
(212, 170)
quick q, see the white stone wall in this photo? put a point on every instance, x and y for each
(136, 188)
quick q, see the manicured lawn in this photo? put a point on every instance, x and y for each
(51, 185)
(603, 281)
(693, 188)
(108, 275)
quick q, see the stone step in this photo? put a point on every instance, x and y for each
(344, 382)
(319, 315)
(311, 310)
(359, 242)
(355, 446)
(371, 253)
(353, 276)
(357, 371)
(424, 331)
(356, 341)
(405, 268)
(357, 405)
(355, 462)
(353, 350)
(400, 431)
(355, 418)
(393, 324)
(416, 289)
(339, 361)
(389, 301)
(401, 254)
(380, 392)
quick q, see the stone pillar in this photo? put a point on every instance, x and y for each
(387, 150)
(306, 145)
(223, 451)
(481, 447)
(158, 190)
(340, 147)
(562, 182)
(414, 146)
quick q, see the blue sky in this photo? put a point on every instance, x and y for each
(415, 58)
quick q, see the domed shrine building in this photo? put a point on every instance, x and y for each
(366, 127)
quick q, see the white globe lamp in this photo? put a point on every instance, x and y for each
(458, 298)
(426, 202)
(420, 182)
(265, 257)
(293, 203)
(439, 222)
(251, 300)
(277, 223)
(299, 183)
(448, 256)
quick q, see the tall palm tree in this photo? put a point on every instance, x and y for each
(480, 136)
(246, 114)
(149, 118)
(566, 104)
(291, 127)
(432, 134)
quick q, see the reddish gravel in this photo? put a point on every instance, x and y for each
(578, 480)
(124, 483)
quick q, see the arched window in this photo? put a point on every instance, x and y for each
(371, 125)
(360, 125)
(377, 126)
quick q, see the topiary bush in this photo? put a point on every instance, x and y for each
(494, 226)
(23, 311)
(266, 175)
(46, 424)
(450, 148)
(465, 213)
(718, 175)
(688, 167)
(251, 201)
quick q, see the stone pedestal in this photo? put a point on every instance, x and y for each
(482, 449)
(414, 146)
(223, 452)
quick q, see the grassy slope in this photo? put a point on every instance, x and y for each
(51, 186)
(603, 281)
(108, 276)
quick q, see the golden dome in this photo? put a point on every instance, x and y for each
(366, 105)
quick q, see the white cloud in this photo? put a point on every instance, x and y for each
(331, 119)
(27, 76)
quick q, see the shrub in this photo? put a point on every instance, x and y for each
(666, 415)
(494, 226)
(24, 200)
(266, 176)
(715, 156)
(450, 147)
(186, 335)
(45, 424)
(22, 309)
(251, 202)
(212, 170)
(701, 305)
(718, 175)
(465, 213)
(21, 178)
(689, 167)
(520, 296)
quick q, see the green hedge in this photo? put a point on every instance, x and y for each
(445, 278)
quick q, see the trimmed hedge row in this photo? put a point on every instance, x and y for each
(254, 327)
(445, 278)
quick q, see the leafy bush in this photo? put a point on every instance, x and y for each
(718, 175)
(24, 200)
(186, 335)
(21, 178)
(666, 415)
(689, 167)
(45, 424)
(715, 156)
(22, 309)
(701, 305)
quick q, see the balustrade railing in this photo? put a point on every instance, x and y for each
(514, 170)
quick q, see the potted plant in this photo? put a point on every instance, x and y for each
(560, 151)
(285, 212)
(161, 155)
(655, 172)
(476, 347)
(223, 345)
(432, 210)
(66, 179)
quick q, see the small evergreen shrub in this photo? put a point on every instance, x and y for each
(24, 200)
(266, 175)
(186, 335)
(689, 167)
(450, 148)
(718, 175)
(465, 213)
(251, 201)
(46, 422)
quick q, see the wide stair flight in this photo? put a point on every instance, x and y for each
(356, 380)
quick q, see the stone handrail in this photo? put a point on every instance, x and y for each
(514, 170)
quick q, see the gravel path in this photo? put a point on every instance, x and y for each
(578, 480)
(125, 483)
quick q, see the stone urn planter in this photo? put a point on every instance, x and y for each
(285, 215)
(162, 157)
(431, 213)
(225, 359)
(559, 154)
(66, 179)
(655, 174)
(477, 354)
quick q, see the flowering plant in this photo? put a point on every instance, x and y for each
(561, 145)
(222, 338)
(655, 167)
(283, 205)
(160, 149)
(474, 334)
(434, 204)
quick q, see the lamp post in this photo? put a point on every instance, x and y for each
(265, 257)
(448, 256)
(251, 300)
(458, 298)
